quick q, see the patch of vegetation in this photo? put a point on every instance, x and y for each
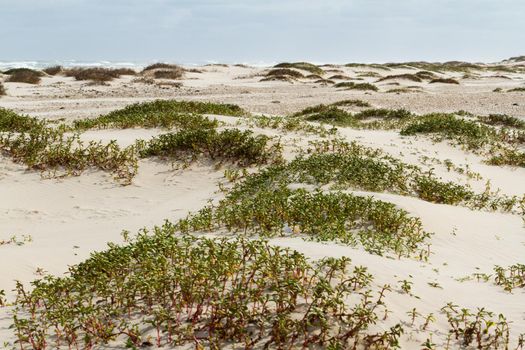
(518, 89)
(161, 113)
(481, 329)
(364, 65)
(98, 75)
(2, 90)
(56, 155)
(357, 86)
(503, 120)
(15, 123)
(185, 291)
(23, 75)
(377, 226)
(340, 77)
(168, 74)
(403, 90)
(286, 72)
(232, 145)
(509, 278)
(54, 70)
(411, 77)
(161, 65)
(444, 81)
(507, 156)
(309, 67)
(447, 126)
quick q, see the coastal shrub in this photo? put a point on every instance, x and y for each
(285, 72)
(98, 75)
(518, 89)
(444, 81)
(168, 74)
(2, 90)
(162, 113)
(169, 290)
(165, 66)
(14, 123)
(309, 67)
(231, 145)
(23, 75)
(503, 120)
(411, 77)
(357, 86)
(378, 226)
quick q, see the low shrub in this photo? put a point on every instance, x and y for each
(23, 75)
(444, 81)
(170, 290)
(411, 77)
(168, 74)
(309, 67)
(231, 145)
(518, 89)
(162, 113)
(98, 75)
(285, 72)
(2, 90)
(357, 86)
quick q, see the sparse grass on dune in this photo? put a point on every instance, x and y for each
(309, 67)
(518, 89)
(2, 90)
(161, 113)
(23, 75)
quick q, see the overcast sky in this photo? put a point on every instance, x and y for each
(253, 31)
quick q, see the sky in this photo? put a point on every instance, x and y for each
(251, 31)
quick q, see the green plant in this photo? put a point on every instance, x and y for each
(98, 75)
(162, 113)
(2, 90)
(444, 81)
(230, 145)
(202, 292)
(518, 89)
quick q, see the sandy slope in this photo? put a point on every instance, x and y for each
(71, 217)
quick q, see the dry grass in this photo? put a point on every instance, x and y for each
(98, 75)
(23, 75)
(340, 77)
(2, 90)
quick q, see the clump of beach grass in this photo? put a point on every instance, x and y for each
(98, 75)
(357, 86)
(444, 81)
(54, 70)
